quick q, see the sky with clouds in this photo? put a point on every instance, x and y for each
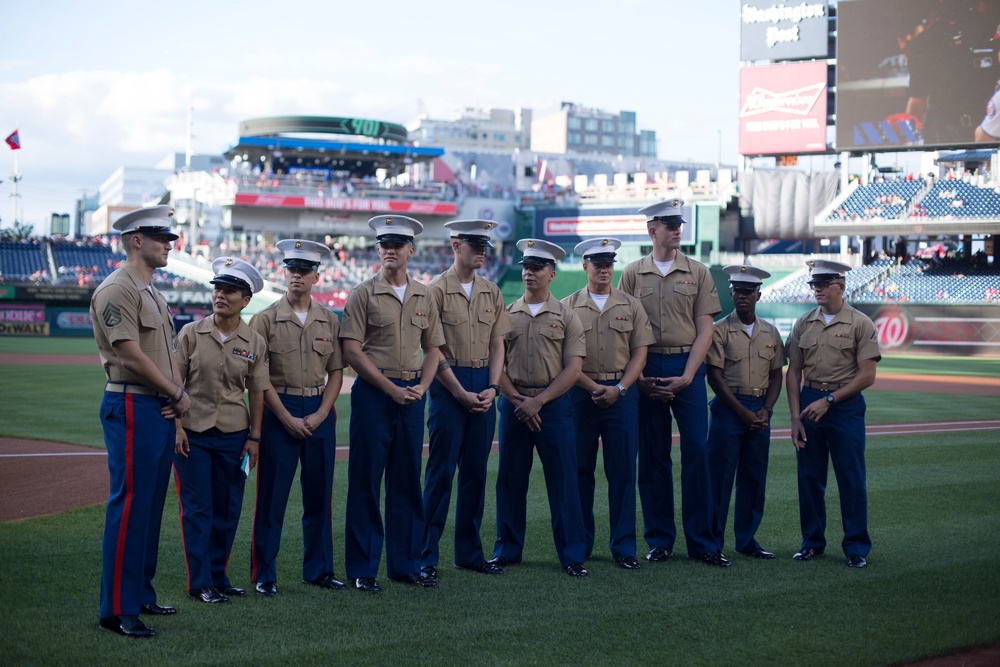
(94, 86)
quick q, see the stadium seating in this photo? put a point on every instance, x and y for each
(881, 199)
(23, 261)
(958, 199)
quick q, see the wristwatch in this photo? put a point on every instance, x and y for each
(830, 399)
(496, 388)
(621, 390)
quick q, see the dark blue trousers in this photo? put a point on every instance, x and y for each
(458, 439)
(556, 445)
(617, 428)
(140, 445)
(737, 453)
(386, 438)
(280, 454)
(655, 473)
(210, 491)
(839, 437)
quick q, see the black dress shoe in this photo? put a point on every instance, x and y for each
(266, 588)
(628, 563)
(367, 584)
(715, 559)
(658, 554)
(502, 561)
(128, 626)
(157, 610)
(807, 553)
(576, 570)
(415, 580)
(489, 567)
(329, 582)
(232, 591)
(856, 561)
(209, 595)
(757, 552)
(429, 571)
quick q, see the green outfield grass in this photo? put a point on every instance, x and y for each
(931, 588)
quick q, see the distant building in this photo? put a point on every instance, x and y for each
(573, 128)
(475, 129)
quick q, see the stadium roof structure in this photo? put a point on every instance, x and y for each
(340, 144)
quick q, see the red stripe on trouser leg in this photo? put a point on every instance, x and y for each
(126, 509)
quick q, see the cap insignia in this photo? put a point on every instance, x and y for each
(490, 225)
(229, 262)
(530, 244)
(604, 242)
(743, 269)
(388, 221)
(812, 264)
(298, 244)
(676, 202)
(170, 213)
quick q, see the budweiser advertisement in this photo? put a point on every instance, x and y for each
(783, 109)
(348, 204)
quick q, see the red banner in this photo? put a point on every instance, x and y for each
(348, 204)
(783, 109)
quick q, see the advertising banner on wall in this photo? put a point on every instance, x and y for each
(776, 31)
(70, 322)
(915, 75)
(347, 204)
(23, 320)
(783, 109)
(913, 329)
(569, 226)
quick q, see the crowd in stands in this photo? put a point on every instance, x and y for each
(966, 196)
(320, 185)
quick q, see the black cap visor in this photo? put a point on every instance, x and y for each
(475, 240)
(232, 281)
(601, 258)
(394, 238)
(299, 263)
(154, 231)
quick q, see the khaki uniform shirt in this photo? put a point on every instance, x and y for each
(124, 307)
(392, 334)
(673, 301)
(299, 356)
(746, 361)
(216, 373)
(538, 347)
(830, 352)
(469, 324)
(611, 335)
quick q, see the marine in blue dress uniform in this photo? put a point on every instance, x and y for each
(617, 332)
(306, 369)
(219, 358)
(144, 394)
(462, 417)
(832, 356)
(388, 320)
(681, 300)
(545, 350)
(744, 370)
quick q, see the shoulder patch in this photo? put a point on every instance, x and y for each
(112, 315)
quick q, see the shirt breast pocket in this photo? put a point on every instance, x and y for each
(379, 320)
(323, 348)
(420, 321)
(487, 318)
(621, 326)
(766, 353)
(685, 289)
(453, 319)
(150, 322)
(553, 333)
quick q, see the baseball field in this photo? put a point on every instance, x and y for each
(931, 589)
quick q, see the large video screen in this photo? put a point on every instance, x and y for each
(915, 74)
(783, 109)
